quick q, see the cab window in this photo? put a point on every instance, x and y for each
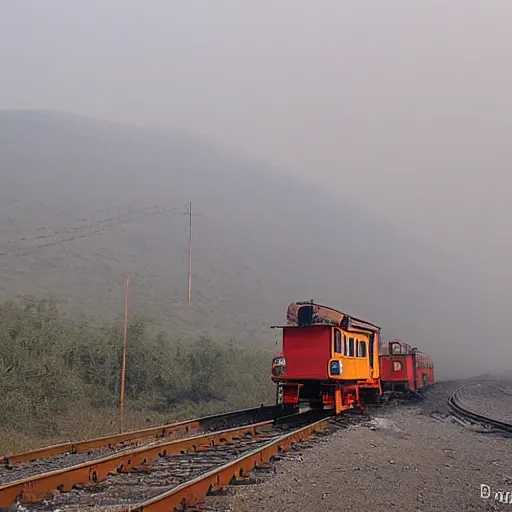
(362, 349)
(337, 341)
(396, 348)
(345, 349)
(351, 347)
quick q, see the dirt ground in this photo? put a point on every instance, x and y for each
(400, 459)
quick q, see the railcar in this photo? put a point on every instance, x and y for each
(329, 359)
(404, 368)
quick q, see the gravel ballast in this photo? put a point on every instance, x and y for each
(401, 459)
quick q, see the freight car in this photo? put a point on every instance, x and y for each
(332, 360)
(404, 368)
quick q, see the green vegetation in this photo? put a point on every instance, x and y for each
(60, 380)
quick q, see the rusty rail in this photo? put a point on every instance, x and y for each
(39, 487)
(497, 425)
(171, 430)
(193, 492)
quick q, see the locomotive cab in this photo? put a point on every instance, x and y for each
(328, 359)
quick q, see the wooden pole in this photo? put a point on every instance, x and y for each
(190, 252)
(123, 366)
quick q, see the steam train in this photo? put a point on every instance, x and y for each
(332, 360)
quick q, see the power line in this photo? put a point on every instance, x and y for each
(93, 225)
(83, 231)
(74, 233)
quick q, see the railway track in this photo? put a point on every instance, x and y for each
(488, 423)
(20, 465)
(165, 474)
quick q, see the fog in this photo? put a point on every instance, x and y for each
(399, 108)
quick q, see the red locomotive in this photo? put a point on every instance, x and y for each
(403, 368)
(332, 360)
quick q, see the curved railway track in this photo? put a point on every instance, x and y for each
(164, 474)
(492, 425)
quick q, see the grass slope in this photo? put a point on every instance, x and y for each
(72, 222)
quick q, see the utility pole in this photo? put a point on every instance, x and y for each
(189, 211)
(188, 207)
(123, 366)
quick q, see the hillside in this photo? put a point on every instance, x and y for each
(72, 221)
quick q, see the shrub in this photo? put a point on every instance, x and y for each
(54, 372)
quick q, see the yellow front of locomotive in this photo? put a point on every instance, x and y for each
(354, 355)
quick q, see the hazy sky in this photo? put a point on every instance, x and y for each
(402, 107)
